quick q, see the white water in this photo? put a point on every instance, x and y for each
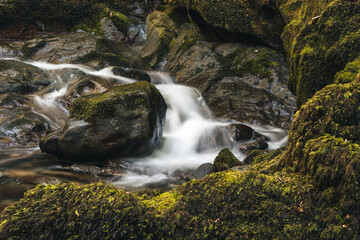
(191, 136)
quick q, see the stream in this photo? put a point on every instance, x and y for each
(191, 137)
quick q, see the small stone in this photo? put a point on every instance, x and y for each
(226, 160)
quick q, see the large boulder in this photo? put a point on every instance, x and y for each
(127, 120)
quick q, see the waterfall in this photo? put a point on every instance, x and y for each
(191, 135)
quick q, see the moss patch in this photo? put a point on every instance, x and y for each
(226, 160)
(101, 106)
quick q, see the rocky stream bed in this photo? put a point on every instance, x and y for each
(179, 119)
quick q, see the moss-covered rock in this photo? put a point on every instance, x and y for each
(324, 47)
(324, 142)
(93, 212)
(259, 18)
(125, 120)
(226, 160)
(230, 204)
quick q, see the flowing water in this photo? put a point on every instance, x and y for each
(191, 137)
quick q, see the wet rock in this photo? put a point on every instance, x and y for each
(202, 171)
(238, 82)
(260, 144)
(132, 73)
(10, 49)
(12, 100)
(181, 174)
(110, 30)
(18, 77)
(66, 48)
(20, 31)
(242, 132)
(20, 125)
(84, 85)
(226, 160)
(127, 120)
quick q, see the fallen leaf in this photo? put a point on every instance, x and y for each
(77, 213)
(299, 209)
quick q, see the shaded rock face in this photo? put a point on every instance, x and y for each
(127, 120)
(258, 18)
(238, 82)
(132, 73)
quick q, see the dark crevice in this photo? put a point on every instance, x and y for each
(220, 35)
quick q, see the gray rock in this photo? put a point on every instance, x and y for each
(18, 77)
(259, 144)
(132, 73)
(202, 171)
(110, 30)
(65, 48)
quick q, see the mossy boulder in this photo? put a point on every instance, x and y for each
(226, 160)
(126, 120)
(324, 47)
(324, 142)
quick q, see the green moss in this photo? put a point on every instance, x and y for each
(75, 14)
(101, 106)
(189, 39)
(323, 47)
(94, 211)
(242, 62)
(91, 23)
(349, 73)
(226, 160)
